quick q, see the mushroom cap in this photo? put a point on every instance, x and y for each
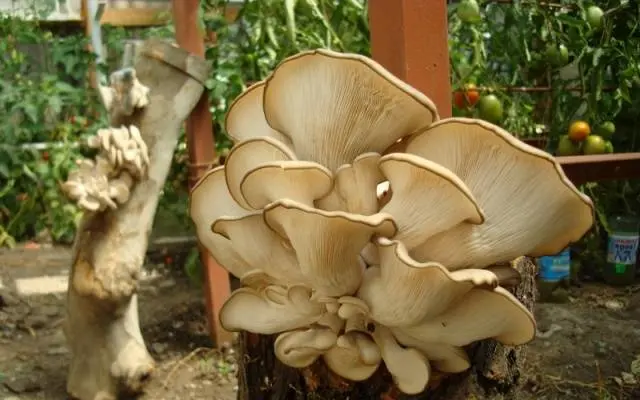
(358, 106)
(238, 238)
(271, 310)
(409, 368)
(302, 347)
(246, 156)
(355, 186)
(245, 117)
(428, 198)
(355, 357)
(327, 243)
(480, 314)
(301, 181)
(404, 292)
(531, 207)
(443, 357)
(203, 213)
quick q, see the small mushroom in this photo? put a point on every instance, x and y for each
(443, 357)
(136, 137)
(410, 369)
(129, 93)
(355, 187)
(246, 156)
(301, 348)
(119, 189)
(328, 251)
(271, 310)
(352, 307)
(355, 356)
(300, 181)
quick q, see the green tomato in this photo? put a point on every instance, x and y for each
(468, 11)
(557, 56)
(595, 15)
(490, 109)
(606, 130)
(594, 144)
(566, 147)
(608, 147)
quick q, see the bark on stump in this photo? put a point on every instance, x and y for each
(495, 373)
(108, 354)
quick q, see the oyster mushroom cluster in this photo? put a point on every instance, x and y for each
(125, 93)
(106, 182)
(341, 273)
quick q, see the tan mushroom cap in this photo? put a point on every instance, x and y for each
(480, 314)
(261, 247)
(238, 239)
(355, 357)
(334, 106)
(531, 207)
(301, 348)
(245, 117)
(210, 199)
(410, 368)
(269, 311)
(246, 156)
(403, 292)
(327, 243)
(355, 186)
(427, 198)
(301, 181)
(443, 357)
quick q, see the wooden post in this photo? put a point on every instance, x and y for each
(410, 39)
(201, 147)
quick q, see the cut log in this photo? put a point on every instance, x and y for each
(108, 354)
(495, 374)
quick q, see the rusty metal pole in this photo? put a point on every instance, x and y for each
(201, 147)
(410, 39)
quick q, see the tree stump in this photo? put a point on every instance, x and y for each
(495, 372)
(108, 354)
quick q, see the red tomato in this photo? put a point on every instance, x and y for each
(467, 98)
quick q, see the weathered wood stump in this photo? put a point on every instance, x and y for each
(495, 374)
(109, 356)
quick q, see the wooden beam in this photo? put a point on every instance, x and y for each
(410, 39)
(140, 17)
(201, 147)
(602, 167)
(136, 17)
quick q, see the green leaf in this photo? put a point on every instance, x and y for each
(290, 7)
(596, 57)
(31, 111)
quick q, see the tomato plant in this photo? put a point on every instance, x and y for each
(553, 63)
(537, 67)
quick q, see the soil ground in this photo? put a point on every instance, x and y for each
(584, 350)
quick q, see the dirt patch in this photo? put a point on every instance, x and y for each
(33, 355)
(584, 350)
